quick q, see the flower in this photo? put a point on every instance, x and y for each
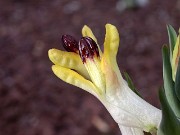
(97, 72)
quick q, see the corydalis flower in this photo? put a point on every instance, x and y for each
(85, 66)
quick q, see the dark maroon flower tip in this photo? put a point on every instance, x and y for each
(88, 48)
(69, 43)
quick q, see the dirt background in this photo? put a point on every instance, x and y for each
(33, 101)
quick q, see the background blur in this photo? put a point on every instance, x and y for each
(33, 101)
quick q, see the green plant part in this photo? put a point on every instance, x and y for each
(177, 82)
(170, 125)
(169, 85)
(131, 84)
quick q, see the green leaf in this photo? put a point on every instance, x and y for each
(131, 84)
(169, 125)
(172, 38)
(177, 81)
(169, 83)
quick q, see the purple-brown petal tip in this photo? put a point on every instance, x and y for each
(69, 43)
(88, 48)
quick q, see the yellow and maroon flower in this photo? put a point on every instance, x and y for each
(87, 67)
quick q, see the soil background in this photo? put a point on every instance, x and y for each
(33, 101)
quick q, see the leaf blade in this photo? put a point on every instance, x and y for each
(177, 82)
(169, 125)
(169, 83)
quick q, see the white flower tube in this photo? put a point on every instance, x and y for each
(130, 131)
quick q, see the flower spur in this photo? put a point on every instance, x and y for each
(97, 72)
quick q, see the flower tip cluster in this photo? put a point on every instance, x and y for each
(86, 47)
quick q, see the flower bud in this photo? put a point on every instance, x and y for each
(69, 43)
(88, 48)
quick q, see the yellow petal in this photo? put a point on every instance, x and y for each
(93, 67)
(75, 79)
(109, 64)
(175, 58)
(87, 32)
(69, 60)
(111, 78)
(111, 44)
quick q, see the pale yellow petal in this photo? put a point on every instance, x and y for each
(111, 44)
(93, 67)
(175, 58)
(69, 60)
(111, 77)
(109, 63)
(87, 32)
(75, 79)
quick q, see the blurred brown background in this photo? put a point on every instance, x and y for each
(33, 101)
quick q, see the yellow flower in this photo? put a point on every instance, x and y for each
(97, 72)
(175, 58)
